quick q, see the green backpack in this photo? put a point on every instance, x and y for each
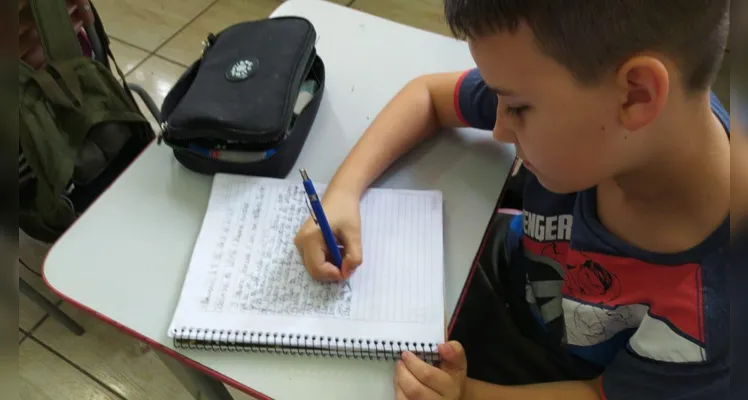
(78, 126)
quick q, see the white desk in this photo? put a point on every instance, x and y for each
(126, 258)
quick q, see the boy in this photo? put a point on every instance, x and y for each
(626, 200)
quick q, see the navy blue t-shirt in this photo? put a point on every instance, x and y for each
(657, 325)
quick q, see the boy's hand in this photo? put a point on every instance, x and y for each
(417, 380)
(343, 213)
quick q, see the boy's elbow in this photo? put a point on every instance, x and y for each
(441, 88)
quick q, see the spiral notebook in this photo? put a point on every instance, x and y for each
(246, 288)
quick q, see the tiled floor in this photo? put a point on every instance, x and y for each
(153, 42)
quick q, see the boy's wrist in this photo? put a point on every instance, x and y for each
(471, 390)
(349, 181)
(342, 189)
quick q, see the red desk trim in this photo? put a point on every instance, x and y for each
(474, 266)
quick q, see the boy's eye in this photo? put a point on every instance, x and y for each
(516, 111)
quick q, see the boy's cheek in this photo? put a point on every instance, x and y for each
(568, 169)
(568, 148)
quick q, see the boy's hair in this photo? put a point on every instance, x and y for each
(593, 37)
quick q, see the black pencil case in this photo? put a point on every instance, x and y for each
(246, 106)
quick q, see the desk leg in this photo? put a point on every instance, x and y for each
(49, 307)
(199, 385)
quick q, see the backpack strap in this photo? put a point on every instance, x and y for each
(47, 85)
(56, 31)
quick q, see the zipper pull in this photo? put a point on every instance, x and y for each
(164, 127)
(208, 42)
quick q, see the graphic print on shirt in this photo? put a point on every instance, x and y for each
(590, 324)
(549, 229)
(611, 301)
(597, 304)
(546, 242)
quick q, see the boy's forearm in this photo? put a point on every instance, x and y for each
(405, 121)
(571, 390)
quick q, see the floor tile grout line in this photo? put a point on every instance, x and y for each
(41, 321)
(25, 335)
(38, 324)
(143, 49)
(148, 57)
(180, 30)
(137, 65)
(76, 366)
(38, 274)
(159, 47)
(43, 318)
(154, 53)
(170, 60)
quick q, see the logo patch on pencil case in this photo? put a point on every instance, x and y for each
(242, 70)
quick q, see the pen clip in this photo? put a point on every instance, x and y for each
(309, 206)
(305, 178)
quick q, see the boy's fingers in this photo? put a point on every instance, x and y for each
(353, 255)
(313, 251)
(399, 395)
(319, 269)
(413, 388)
(433, 378)
(454, 361)
(329, 272)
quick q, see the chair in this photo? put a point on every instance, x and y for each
(24, 287)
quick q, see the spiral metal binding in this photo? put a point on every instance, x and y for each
(300, 345)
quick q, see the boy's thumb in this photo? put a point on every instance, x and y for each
(352, 256)
(453, 358)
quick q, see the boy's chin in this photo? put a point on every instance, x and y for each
(558, 186)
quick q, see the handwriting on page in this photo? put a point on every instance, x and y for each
(255, 266)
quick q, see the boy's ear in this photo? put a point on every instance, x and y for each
(644, 83)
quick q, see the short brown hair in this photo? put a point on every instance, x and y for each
(592, 37)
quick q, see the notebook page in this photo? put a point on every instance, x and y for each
(246, 275)
(401, 277)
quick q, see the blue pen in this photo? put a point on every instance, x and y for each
(318, 214)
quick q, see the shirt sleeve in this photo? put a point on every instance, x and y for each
(632, 377)
(659, 362)
(474, 102)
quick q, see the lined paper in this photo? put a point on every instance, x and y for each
(246, 272)
(401, 238)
